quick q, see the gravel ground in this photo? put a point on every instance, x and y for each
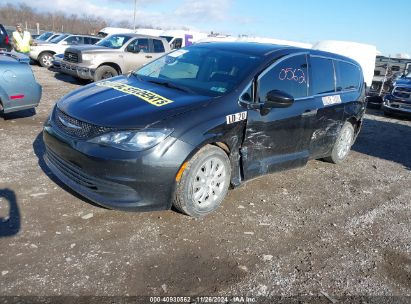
(323, 230)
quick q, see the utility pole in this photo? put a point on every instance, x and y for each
(135, 8)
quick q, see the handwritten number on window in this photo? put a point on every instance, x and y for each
(296, 75)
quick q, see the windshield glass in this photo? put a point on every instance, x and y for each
(114, 41)
(202, 70)
(44, 36)
(168, 38)
(58, 38)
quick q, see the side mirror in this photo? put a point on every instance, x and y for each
(278, 99)
(136, 49)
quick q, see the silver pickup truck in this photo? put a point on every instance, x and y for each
(114, 55)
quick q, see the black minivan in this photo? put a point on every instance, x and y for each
(183, 128)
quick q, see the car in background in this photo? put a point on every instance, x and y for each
(5, 43)
(56, 62)
(43, 53)
(18, 87)
(114, 55)
(399, 100)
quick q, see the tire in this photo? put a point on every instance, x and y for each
(192, 194)
(104, 72)
(342, 144)
(45, 59)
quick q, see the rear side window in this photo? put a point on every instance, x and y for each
(289, 76)
(322, 76)
(158, 46)
(348, 76)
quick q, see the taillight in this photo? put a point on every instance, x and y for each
(7, 39)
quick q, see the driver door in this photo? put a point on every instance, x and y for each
(279, 138)
(137, 53)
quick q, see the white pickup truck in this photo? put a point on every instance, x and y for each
(114, 55)
(43, 53)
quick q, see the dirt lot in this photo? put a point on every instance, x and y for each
(324, 230)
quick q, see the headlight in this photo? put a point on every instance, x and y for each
(132, 140)
(87, 57)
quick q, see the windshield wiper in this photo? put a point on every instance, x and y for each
(171, 85)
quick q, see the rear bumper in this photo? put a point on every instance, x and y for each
(132, 181)
(77, 71)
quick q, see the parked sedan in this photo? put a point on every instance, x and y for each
(18, 87)
(43, 53)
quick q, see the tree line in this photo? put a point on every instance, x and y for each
(10, 14)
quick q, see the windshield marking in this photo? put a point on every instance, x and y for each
(150, 97)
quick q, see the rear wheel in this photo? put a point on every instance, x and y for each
(204, 182)
(342, 145)
(104, 72)
(45, 59)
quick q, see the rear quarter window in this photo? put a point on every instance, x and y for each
(158, 46)
(322, 76)
(348, 76)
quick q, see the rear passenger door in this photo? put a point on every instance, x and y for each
(279, 138)
(334, 88)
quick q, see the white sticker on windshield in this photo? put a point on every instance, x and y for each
(329, 100)
(177, 53)
(236, 117)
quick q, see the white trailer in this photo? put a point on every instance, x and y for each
(364, 54)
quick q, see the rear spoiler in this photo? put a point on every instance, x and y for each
(19, 57)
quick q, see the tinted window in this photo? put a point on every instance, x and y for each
(140, 45)
(94, 40)
(322, 76)
(158, 46)
(75, 40)
(289, 76)
(348, 76)
(177, 43)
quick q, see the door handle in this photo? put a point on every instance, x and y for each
(148, 56)
(309, 113)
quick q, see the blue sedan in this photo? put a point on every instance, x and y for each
(18, 87)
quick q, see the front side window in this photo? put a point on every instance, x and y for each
(289, 76)
(114, 41)
(322, 76)
(204, 70)
(177, 43)
(139, 45)
(348, 76)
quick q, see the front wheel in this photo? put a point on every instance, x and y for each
(204, 182)
(45, 60)
(342, 145)
(104, 72)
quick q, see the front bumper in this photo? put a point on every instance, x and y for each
(399, 108)
(116, 179)
(77, 70)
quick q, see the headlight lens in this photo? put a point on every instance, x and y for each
(87, 57)
(132, 140)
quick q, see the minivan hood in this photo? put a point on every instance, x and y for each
(101, 104)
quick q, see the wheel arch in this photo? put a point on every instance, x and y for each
(113, 65)
(46, 51)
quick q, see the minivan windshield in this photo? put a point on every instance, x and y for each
(114, 41)
(201, 70)
(59, 38)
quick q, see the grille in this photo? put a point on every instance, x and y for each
(71, 57)
(77, 128)
(402, 92)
